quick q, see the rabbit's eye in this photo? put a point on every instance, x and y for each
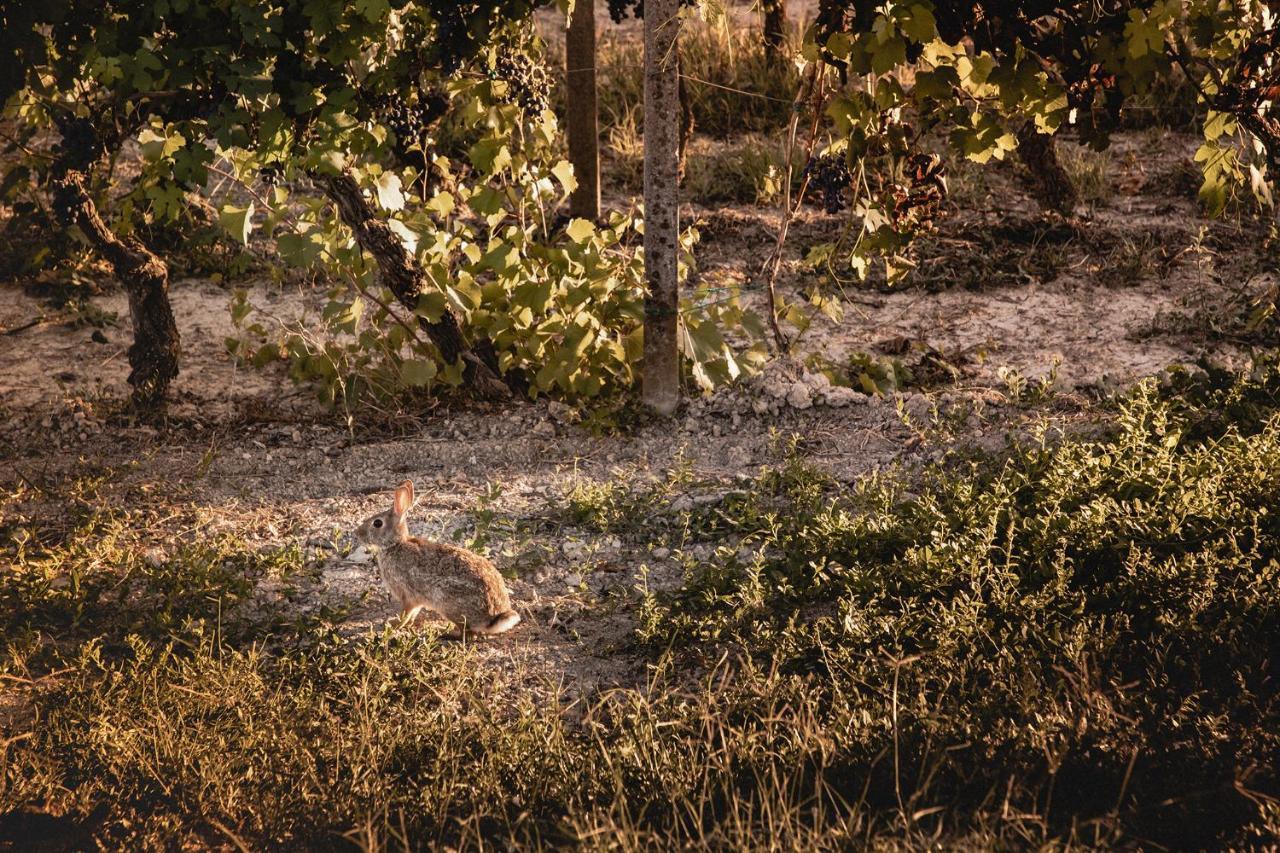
(377, 522)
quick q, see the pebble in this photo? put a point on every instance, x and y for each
(839, 397)
(574, 550)
(816, 381)
(775, 387)
(661, 553)
(561, 412)
(799, 397)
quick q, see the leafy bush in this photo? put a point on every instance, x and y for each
(985, 72)
(560, 302)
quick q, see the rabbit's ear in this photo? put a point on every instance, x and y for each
(404, 498)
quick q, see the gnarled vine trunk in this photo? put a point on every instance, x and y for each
(153, 357)
(405, 277)
(1050, 183)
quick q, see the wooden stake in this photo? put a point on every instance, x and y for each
(661, 380)
(581, 111)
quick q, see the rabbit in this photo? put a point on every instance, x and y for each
(461, 586)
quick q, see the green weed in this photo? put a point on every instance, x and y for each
(1086, 627)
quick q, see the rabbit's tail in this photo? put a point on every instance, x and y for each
(501, 623)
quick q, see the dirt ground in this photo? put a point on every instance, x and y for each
(1003, 295)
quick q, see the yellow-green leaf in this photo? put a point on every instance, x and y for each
(579, 230)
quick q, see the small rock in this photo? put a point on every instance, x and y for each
(544, 429)
(816, 381)
(799, 397)
(574, 550)
(661, 553)
(684, 503)
(562, 413)
(708, 500)
(775, 387)
(839, 397)
(573, 580)
(760, 406)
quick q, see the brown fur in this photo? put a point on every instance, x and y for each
(460, 585)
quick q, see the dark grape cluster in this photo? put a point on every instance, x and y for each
(81, 144)
(618, 9)
(197, 103)
(65, 203)
(411, 121)
(528, 83)
(271, 173)
(455, 42)
(829, 175)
